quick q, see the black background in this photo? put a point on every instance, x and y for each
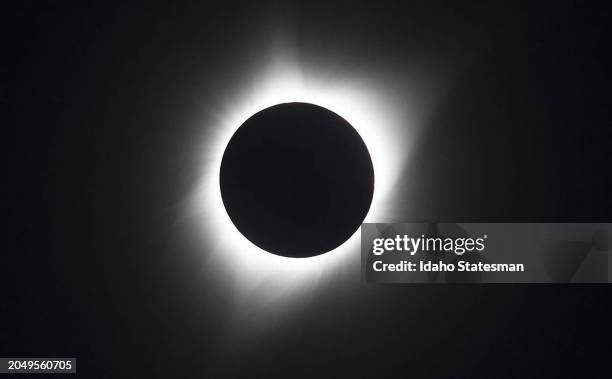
(97, 123)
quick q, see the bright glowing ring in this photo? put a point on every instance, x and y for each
(360, 103)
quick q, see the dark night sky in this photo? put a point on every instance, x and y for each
(98, 128)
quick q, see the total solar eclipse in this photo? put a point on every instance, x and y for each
(296, 180)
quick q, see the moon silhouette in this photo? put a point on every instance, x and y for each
(296, 180)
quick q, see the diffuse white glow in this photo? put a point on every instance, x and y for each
(364, 105)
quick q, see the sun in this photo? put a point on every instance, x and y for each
(359, 101)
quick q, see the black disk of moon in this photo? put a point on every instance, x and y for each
(296, 180)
